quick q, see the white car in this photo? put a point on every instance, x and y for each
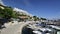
(37, 32)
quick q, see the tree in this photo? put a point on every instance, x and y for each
(43, 18)
(35, 18)
(8, 13)
(1, 12)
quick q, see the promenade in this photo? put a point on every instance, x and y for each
(15, 29)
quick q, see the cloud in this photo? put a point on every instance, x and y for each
(1, 2)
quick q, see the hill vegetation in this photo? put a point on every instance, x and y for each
(7, 12)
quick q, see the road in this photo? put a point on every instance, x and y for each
(14, 29)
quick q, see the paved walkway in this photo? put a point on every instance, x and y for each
(14, 29)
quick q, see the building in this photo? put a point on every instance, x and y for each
(23, 18)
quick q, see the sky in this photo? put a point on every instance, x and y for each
(42, 8)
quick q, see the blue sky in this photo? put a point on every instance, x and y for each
(42, 8)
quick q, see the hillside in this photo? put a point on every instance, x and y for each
(6, 13)
(13, 10)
